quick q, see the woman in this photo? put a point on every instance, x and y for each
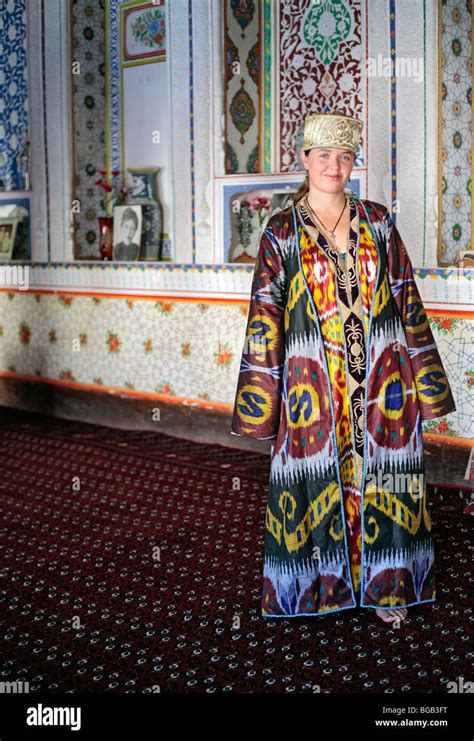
(339, 369)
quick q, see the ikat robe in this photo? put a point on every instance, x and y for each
(293, 390)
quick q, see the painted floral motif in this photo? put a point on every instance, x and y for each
(223, 355)
(446, 325)
(443, 427)
(67, 375)
(186, 349)
(25, 333)
(113, 343)
(149, 29)
(231, 57)
(66, 301)
(243, 11)
(165, 388)
(242, 111)
(326, 26)
(148, 345)
(166, 307)
(253, 62)
(470, 377)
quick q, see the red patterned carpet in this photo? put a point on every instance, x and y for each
(126, 557)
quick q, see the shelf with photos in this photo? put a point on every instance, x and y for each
(131, 225)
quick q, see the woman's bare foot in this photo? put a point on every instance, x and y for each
(389, 616)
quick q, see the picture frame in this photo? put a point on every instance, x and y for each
(143, 187)
(10, 217)
(144, 184)
(127, 232)
(255, 208)
(17, 209)
(229, 247)
(465, 258)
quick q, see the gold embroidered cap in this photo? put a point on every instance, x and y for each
(333, 129)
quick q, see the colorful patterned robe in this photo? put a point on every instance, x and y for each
(292, 389)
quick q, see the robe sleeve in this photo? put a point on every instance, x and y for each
(432, 385)
(258, 396)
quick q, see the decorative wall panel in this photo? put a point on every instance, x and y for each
(88, 93)
(243, 56)
(456, 146)
(13, 90)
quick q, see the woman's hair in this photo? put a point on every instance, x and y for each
(130, 215)
(304, 187)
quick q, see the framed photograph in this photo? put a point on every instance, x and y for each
(127, 232)
(8, 229)
(465, 258)
(143, 183)
(15, 211)
(250, 213)
(243, 206)
(14, 229)
(143, 192)
(245, 203)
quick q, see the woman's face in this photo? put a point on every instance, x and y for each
(329, 169)
(129, 229)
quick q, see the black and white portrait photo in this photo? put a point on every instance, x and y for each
(127, 232)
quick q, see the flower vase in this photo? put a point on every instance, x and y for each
(145, 194)
(106, 232)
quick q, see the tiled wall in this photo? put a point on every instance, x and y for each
(180, 350)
